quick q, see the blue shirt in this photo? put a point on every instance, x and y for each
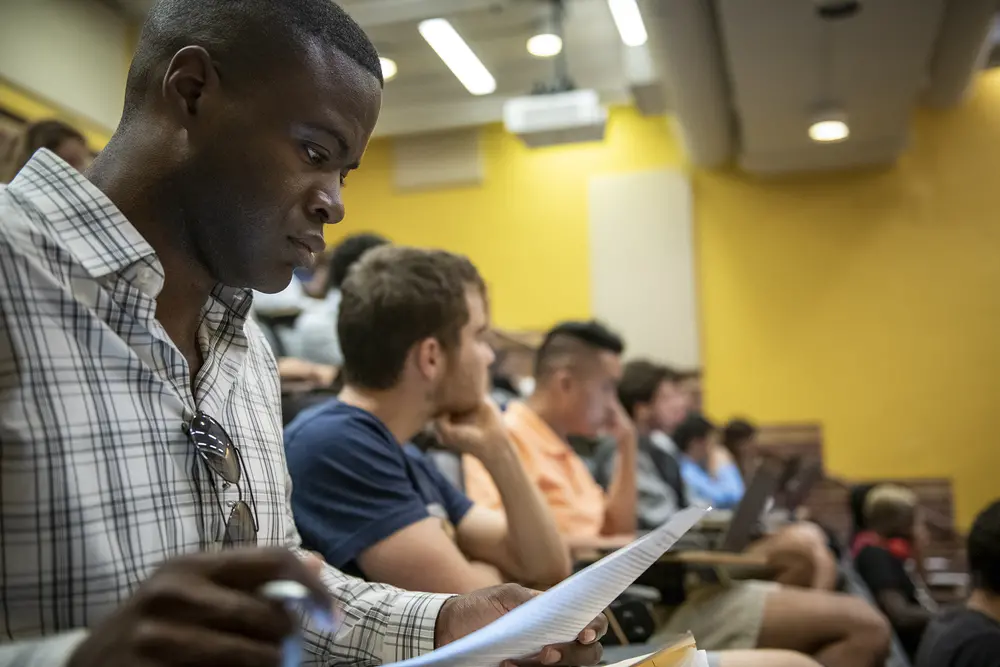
(722, 491)
(353, 485)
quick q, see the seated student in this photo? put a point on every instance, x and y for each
(739, 437)
(651, 396)
(316, 328)
(650, 393)
(710, 474)
(970, 636)
(412, 328)
(576, 372)
(584, 360)
(886, 556)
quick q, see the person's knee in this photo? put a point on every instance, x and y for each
(870, 628)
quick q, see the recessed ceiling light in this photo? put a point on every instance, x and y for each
(457, 55)
(829, 131)
(629, 21)
(389, 68)
(545, 45)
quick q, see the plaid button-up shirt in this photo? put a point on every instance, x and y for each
(98, 482)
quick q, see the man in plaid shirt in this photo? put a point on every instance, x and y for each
(139, 406)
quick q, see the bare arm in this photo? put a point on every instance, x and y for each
(522, 541)
(619, 516)
(421, 557)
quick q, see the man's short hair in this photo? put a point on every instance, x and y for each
(890, 509)
(694, 427)
(640, 381)
(246, 36)
(736, 431)
(395, 297)
(983, 548)
(565, 342)
(347, 253)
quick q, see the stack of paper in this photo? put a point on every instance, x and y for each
(562, 612)
(683, 653)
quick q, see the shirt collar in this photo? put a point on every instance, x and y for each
(521, 417)
(82, 217)
(91, 227)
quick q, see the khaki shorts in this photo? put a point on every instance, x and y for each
(721, 617)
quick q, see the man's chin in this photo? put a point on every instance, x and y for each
(274, 282)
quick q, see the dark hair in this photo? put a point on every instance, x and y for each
(694, 427)
(249, 35)
(640, 381)
(983, 548)
(347, 253)
(736, 431)
(48, 134)
(571, 338)
(395, 297)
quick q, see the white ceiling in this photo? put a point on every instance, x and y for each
(749, 77)
(745, 77)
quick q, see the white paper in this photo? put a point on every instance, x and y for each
(562, 612)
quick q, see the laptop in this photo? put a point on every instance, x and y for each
(756, 501)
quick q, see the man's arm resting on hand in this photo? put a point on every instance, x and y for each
(523, 540)
(421, 557)
(620, 510)
(54, 651)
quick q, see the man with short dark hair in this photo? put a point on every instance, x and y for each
(414, 326)
(316, 328)
(710, 479)
(970, 636)
(576, 376)
(141, 420)
(651, 397)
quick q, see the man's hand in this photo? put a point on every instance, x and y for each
(619, 425)
(202, 611)
(477, 433)
(463, 615)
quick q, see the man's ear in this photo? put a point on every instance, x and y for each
(190, 76)
(429, 358)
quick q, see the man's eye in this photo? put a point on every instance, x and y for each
(315, 157)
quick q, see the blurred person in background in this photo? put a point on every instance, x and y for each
(970, 635)
(63, 140)
(710, 474)
(739, 437)
(316, 327)
(888, 557)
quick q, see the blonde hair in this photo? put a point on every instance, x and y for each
(890, 510)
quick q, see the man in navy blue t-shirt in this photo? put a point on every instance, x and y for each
(412, 328)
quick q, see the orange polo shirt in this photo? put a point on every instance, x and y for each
(576, 500)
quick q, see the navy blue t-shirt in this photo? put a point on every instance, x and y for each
(353, 485)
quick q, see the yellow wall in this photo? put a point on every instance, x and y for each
(525, 226)
(870, 302)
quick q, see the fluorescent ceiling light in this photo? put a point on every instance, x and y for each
(545, 45)
(457, 55)
(829, 131)
(629, 21)
(389, 68)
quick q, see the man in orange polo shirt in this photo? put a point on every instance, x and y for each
(577, 376)
(577, 370)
